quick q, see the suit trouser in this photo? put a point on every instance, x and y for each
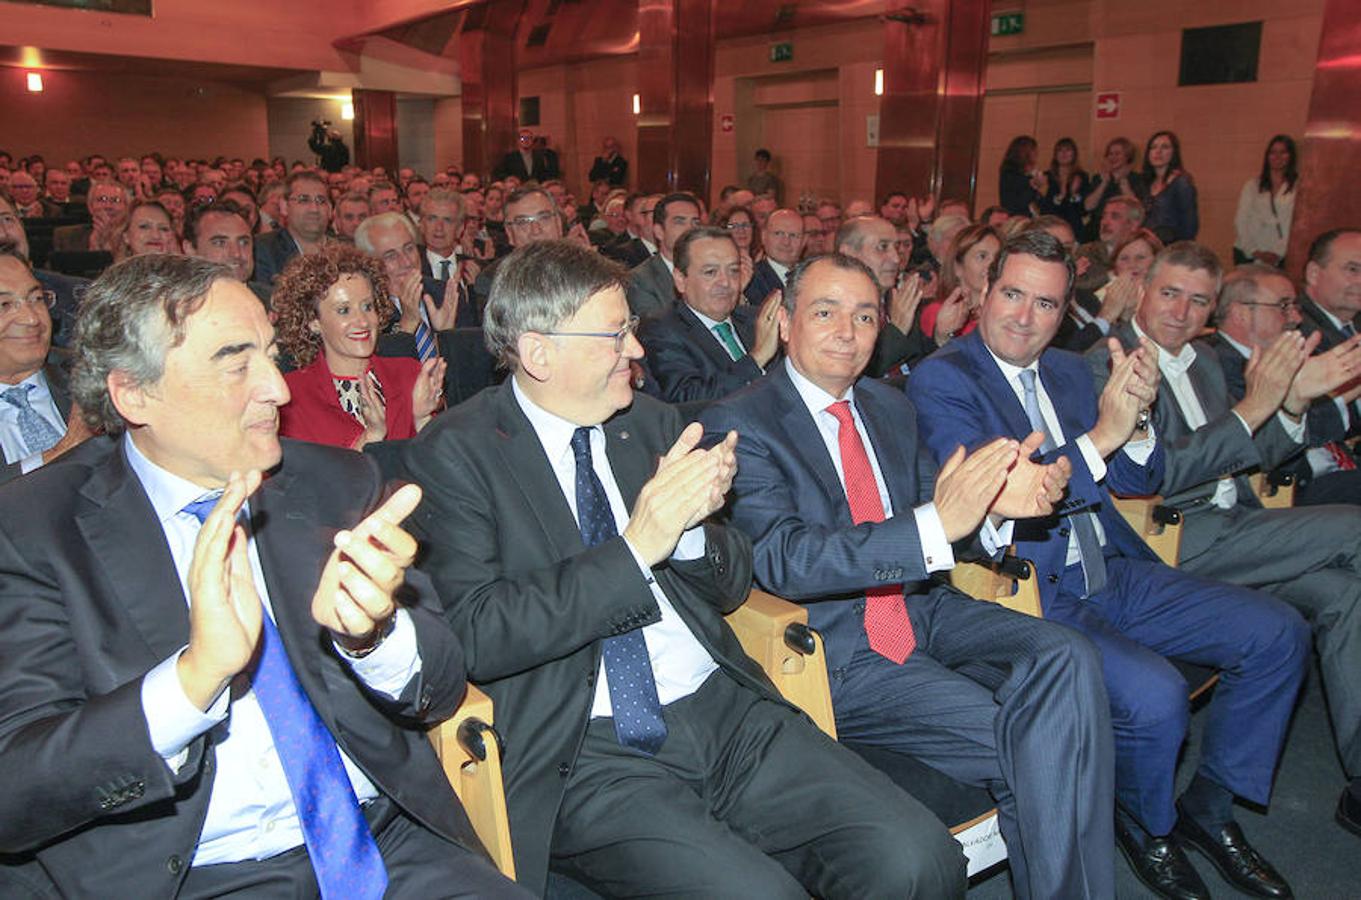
(1310, 557)
(1148, 611)
(420, 864)
(1009, 702)
(746, 798)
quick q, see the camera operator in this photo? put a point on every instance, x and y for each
(327, 145)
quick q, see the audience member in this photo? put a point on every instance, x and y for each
(761, 208)
(220, 233)
(651, 283)
(557, 600)
(1020, 183)
(351, 209)
(38, 421)
(1064, 186)
(1266, 206)
(146, 229)
(441, 226)
(639, 246)
(23, 190)
(1172, 210)
(1019, 693)
(1098, 577)
(782, 240)
(524, 162)
(762, 181)
(609, 166)
(57, 193)
(65, 288)
(816, 240)
(964, 270)
(1120, 218)
(1115, 178)
(330, 307)
(531, 215)
(413, 194)
(306, 212)
(1309, 556)
(707, 345)
(1093, 313)
(240, 194)
(384, 197)
(108, 203)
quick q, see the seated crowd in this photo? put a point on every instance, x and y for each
(610, 421)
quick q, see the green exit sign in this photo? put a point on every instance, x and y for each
(781, 52)
(1008, 23)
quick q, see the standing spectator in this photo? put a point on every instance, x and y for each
(764, 181)
(331, 151)
(1172, 213)
(1266, 206)
(1065, 185)
(1019, 184)
(1115, 178)
(551, 167)
(524, 162)
(609, 165)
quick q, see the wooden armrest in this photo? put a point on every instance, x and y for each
(775, 633)
(1158, 524)
(470, 750)
(1276, 490)
(1009, 582)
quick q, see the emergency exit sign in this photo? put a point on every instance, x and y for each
(1007, 23)
(781, 52)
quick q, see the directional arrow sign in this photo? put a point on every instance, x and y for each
(1108, 105)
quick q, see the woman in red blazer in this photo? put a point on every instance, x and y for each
(330, 307)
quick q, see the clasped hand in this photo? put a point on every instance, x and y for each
(690, 484)
(998, 478)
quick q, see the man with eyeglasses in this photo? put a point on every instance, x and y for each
(652, 284)
(307, 213)
(1308, 556)
(108, 202)
(66, 288)
(782, 237)
(588, 583)
(531, 214)
(38, 422)
(639, 246)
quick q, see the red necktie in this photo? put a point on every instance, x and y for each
(1344, 460)
(886, 623)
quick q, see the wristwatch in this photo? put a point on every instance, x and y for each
(379, 635)
(1141, 423)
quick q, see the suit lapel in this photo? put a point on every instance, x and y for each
(125, 536)
(631, 469)
(804, 439)
(1058, 386)
(704, 339)
(995, 386)
(528, 468)
(895, 464)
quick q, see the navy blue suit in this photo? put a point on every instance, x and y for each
(763, 281)
(687, 360)
(989, 696)
(1146, 611)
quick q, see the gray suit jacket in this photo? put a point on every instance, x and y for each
(652, 289)
(1196, 460)
(57, 383)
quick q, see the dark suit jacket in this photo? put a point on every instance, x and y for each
(652, 289)
(962, 397)
(57, 381)
(1073, 334)
(72, 237)
(513, 164)
(687, 360)
(272, 253)
(763, 281)
(532, 604)
(66, 287)
(615, 171)
(893, 348)
(631, 252)
(1196, 460)
(1325, 420)
(92, 603)
(469, 311)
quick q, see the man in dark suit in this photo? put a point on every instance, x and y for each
(524, 162)
(307, 211)
(108, 202)
(157, 747)
(36, 421)
(441, 226)
(638, 246)
(707, 346)
(220, 233)
(1309, 556)
(652, 286)
(651, 755)
(1098, 577)
(609, 165)
(988, 696)
(66, 288)
(782, 239)
(1256, 305)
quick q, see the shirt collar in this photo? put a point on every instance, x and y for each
(709, 323)
(1178, 364)
(780, 269)
(169, 493)
(1011, 372)
(1337, 323)
(553, 431)
(436, 259)
(815, 398)
(1245, 351)
(36, 383)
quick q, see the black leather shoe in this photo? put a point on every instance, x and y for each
(1233, 856)
(1349, 812)
(1162, 866)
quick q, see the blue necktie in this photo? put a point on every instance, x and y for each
(37, 433)
(340, 846)
(1083, 524)
(637, 710)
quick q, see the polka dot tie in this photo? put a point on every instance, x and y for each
(637, 710)
(340, 846)
(887, 625)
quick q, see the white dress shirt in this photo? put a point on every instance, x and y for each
(937, 554)
(1176, 371)
(251, 814)
(1139, 451)
(680, 664)
(435, 261)
(11, 438)
(780, 269)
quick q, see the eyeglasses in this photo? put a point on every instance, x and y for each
(787, 235)
(619, 336)
(738, 226)
(542, 218)
(10, 304)
(1284, 307)
(305, 200)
